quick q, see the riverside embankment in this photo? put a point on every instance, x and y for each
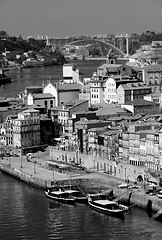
(37, 174)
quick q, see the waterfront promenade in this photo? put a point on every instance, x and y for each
(37, 168)
(37, 173)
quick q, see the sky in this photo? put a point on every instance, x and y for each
(60, 18)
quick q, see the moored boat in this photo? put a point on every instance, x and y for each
(106, 206)
(77, 195)
(3, 78)
(60, 196)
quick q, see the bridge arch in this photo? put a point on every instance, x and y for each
(97, 40)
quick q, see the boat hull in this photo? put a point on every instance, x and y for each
(70, 201)
(83, 200)
(5, 80)
(114, 213)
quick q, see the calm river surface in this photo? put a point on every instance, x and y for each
(26, 213)
(37, 76)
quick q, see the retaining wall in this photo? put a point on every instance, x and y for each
(89, 185)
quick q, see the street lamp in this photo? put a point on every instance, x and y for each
(35, 166)
(21, 159)
(125, 174)
(53, 174)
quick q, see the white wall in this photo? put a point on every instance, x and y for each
(50, 88)
(70, 73)
(30, 99)
(110, 90)
(128, 107)
(67, 70)
(120, 95)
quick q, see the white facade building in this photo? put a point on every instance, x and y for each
(70, 73)
(50, 88)
(110, 91)
(96, 92)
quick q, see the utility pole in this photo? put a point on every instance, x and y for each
(53, 174)
(21, 159)
(35, 167)
(127, 43)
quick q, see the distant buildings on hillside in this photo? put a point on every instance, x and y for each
(110, 123)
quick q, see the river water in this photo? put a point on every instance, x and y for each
(26, 213)
(37, 76)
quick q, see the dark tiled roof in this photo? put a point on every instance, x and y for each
(69, 86)
(109, 111)
(152, 67)
(110, 66)
(34, 87)
(135, 86)
(140, 102)
(42, 95)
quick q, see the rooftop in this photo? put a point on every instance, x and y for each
(109, 111)
(140, 102)
(154, 67)
(30, 110)
(42, 95)
(34, 87)
(69, 86)
(107, 65)
(138, 85)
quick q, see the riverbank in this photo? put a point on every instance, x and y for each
(37, 174)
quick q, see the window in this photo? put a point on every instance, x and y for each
(45, 103)
(51, 103)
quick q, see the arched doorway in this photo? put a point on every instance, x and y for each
(139, 178)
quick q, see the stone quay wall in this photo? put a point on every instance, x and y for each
(89, 183)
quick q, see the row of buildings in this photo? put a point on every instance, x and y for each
(110, 122)
(126, 147)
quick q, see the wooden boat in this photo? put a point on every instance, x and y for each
(4, 79)
(60, 196)
(75, 192)
(106, 206)
(77, 195)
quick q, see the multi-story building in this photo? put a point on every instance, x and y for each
(85, 93)
(110, 94)
(70, 73)
(97, 91)
(108, 70)
(43, 99)
(26, 131)
(139, 148)
(131, 91)
(46, 130)
(109, 111)
(141, 106)
(152, 76)
(63, 93)
(155, 97)
(70, 126)
(66, 110)
(81, 132)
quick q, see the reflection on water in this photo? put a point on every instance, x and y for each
(26, 213)
(37, 76)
